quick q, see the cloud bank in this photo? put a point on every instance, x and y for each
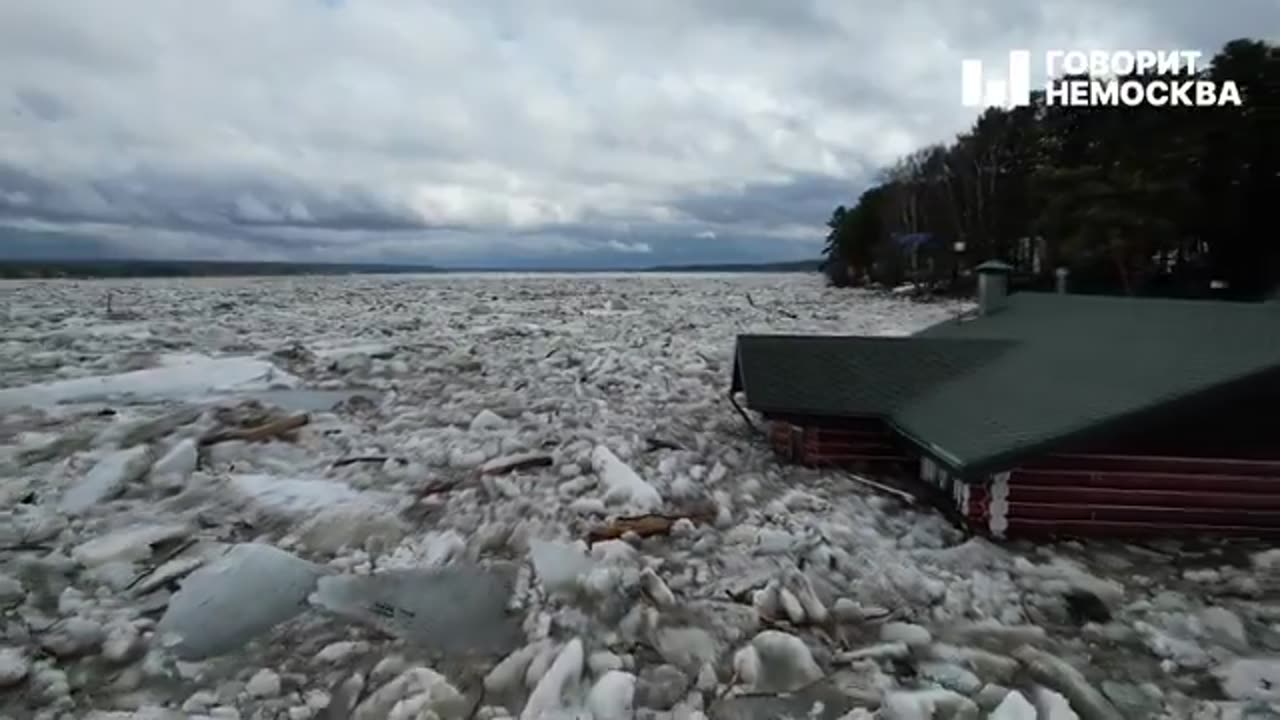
(503, 133)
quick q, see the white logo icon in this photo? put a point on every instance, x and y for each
(1012, 92)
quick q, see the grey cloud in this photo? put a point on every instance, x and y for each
(249, 209)
(797, 201)
(75, 36)
(176, 202)
(459, 132)
(41, 104)
(15, 182)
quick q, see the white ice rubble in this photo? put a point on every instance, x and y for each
(177, 377)
(489, 427)
(622, 485)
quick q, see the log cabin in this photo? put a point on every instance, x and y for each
(1046, 414)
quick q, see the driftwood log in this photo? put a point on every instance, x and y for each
(358, 459)
(644, 526)
(661, 444)
(514, 463)
(273, 429)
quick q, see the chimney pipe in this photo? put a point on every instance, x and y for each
(993, 286)
(1061, 275)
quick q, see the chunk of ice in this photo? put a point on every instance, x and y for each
(128, 545)
(458, 608)
(243, 593)
(298, 496)
(622, 485)
(185, 376)
(107, 479)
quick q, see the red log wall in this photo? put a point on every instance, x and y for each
(1080, 494)
(1130, 495)
(855, 442)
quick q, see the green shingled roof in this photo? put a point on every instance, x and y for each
(842, 375)
(981, 392)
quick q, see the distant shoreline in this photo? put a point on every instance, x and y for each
(108, 269)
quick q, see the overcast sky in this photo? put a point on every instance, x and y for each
(498, 132)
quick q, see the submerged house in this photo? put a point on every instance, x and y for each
(1047, 413)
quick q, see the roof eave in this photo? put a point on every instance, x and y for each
(1008, 459)
(954, 463)
(737, 384)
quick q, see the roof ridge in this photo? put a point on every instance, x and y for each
(1143, 300)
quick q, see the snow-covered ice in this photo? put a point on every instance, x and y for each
(174, 377)
(428, 531)
(106, 479)
(1014, 707)
(622, 485)
(128, 544)
(298, 496)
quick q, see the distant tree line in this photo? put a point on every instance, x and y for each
(1176, 201)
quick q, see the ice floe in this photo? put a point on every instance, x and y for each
(534, 486)
(176, 377)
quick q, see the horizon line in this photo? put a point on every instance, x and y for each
(408, 267)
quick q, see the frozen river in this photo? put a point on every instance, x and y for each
(352, 497)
